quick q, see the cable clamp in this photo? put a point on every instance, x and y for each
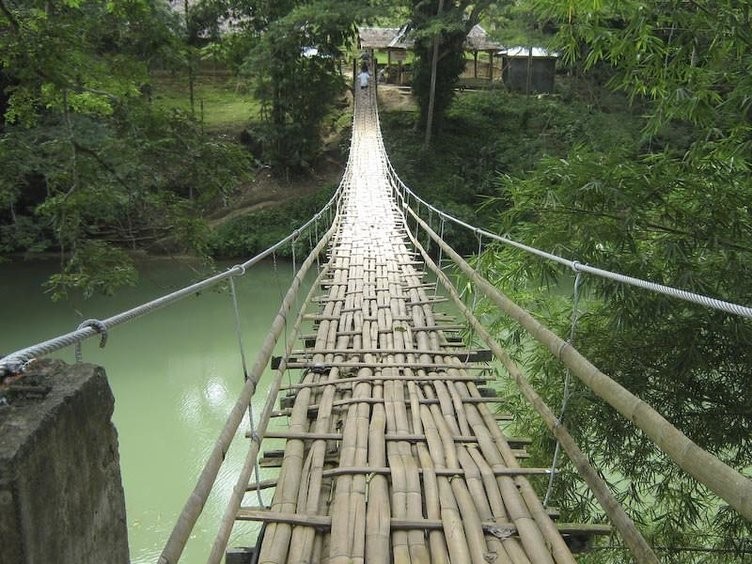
(576, 266)
(562, 346)
(238, 270)
(99, 327)
(255, 437)
(12, 368)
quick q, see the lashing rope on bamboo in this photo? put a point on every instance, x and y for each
(372, 271)
(726, 482)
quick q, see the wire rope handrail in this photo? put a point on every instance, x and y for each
(205, 482)
(707, 301)
(726, 482)
(16, 361)
(616, 513)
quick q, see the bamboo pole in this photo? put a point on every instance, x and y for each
(454, 533)
(436, 542)
(303, 543)
(193, 507)
(289, 494)
(727, 483)
(626, 527)
(378, 510)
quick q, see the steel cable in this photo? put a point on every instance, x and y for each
(713, 303)
(15, 361)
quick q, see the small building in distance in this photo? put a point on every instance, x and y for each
(397, 44)
(528, 70)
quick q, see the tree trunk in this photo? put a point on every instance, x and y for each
(432, 91)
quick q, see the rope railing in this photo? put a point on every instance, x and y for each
(724, 481)
(251, 460)
(707, 301)
(623, 523)
(16, 361)
(195, 504)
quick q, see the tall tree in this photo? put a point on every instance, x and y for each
(89, 166)
(293, 50)
(441, 34)
(671, 206)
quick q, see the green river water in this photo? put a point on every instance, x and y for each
(175, 375)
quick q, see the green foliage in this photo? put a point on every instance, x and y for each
(491, 133)
(248, 235)
(94, 267)
(76, 56)
(690, 59)
(90, 167)
(671, 206)
(292, 52)
(450, 28)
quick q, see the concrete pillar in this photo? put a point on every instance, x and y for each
(61, 495)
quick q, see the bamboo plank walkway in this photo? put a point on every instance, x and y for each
(393, 454)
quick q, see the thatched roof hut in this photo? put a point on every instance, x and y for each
(396, 42)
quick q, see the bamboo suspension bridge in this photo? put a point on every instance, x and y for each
(394, 451)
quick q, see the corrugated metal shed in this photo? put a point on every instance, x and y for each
(526, 71)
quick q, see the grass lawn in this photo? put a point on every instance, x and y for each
(227, 101)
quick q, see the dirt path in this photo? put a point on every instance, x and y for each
(266, 191)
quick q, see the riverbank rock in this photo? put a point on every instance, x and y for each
(61, 494)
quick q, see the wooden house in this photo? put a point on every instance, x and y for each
(397, 44)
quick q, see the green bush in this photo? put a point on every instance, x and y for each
(248, 235)
(493, 134)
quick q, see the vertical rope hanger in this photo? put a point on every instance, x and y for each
(479, 236)
(428, 242)
(292, 247)
(471, 338)
(238, 332)
(567, 392)
(318, 255)
(281, 297)
(441, 252)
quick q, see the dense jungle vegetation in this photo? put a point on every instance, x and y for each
(639, 162)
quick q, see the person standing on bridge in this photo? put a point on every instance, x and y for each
(363, 77)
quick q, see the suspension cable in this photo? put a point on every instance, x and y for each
(15, 361)
(685, 295)
(241, 348)
(567, 387)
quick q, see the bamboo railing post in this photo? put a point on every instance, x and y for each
(193, 507)
(626, 527)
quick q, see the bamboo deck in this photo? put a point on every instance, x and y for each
(393, 454)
